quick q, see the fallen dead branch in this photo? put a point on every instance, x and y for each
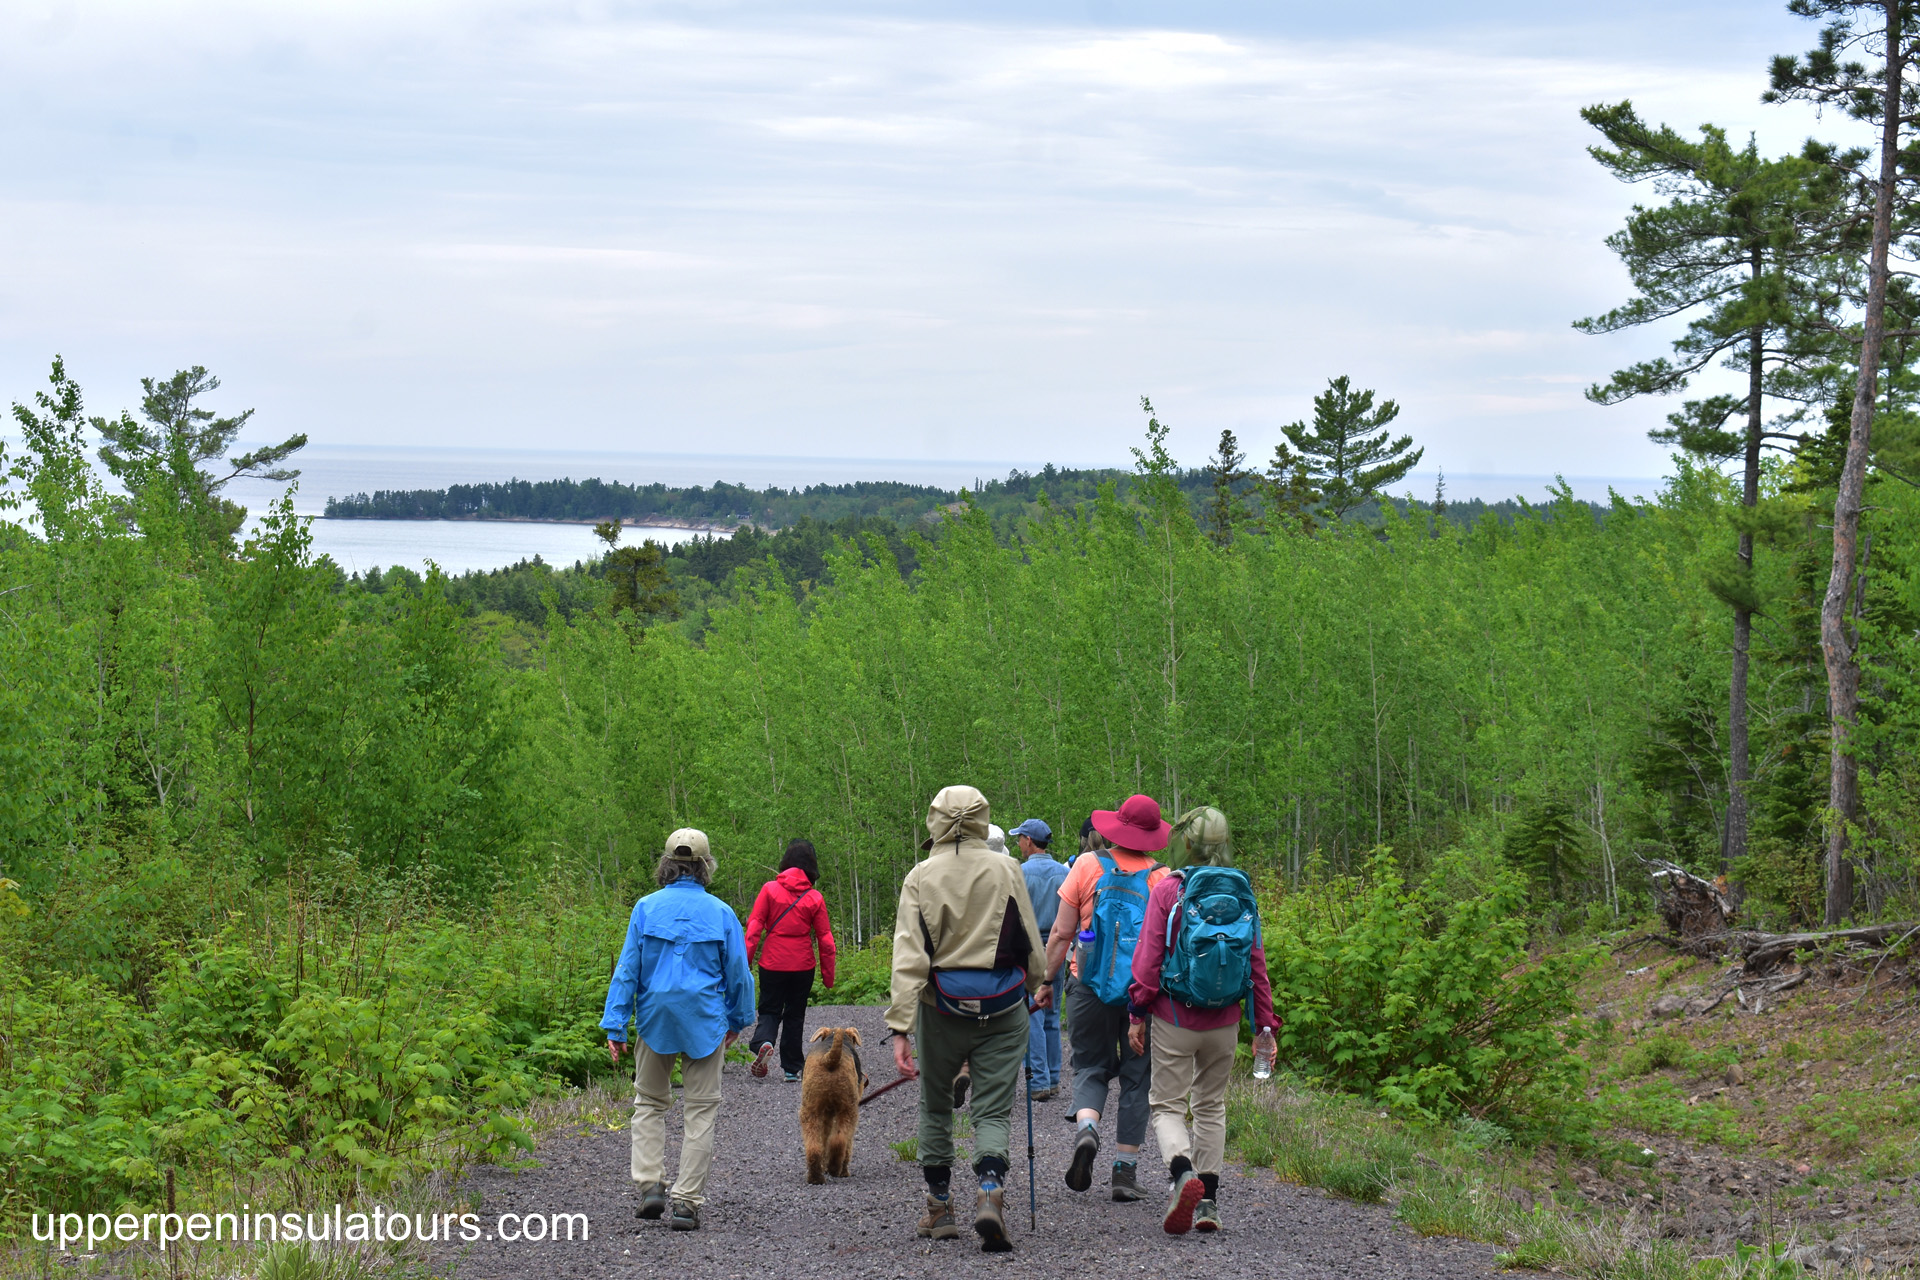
(1760, 952)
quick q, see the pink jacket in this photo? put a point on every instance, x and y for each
(1144, 995)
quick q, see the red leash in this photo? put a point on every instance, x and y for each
(883, 1089)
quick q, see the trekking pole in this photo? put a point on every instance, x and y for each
(1033, 1202)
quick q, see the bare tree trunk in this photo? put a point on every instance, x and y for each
(1837, 643)
(1739, 758)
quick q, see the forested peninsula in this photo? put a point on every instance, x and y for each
(722, 507)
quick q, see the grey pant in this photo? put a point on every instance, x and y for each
(1100, 1055)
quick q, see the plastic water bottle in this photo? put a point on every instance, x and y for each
(1264, 1052)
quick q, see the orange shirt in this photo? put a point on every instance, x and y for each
(1076, 891)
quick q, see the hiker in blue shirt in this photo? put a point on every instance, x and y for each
(1044, 877)
(683, 980)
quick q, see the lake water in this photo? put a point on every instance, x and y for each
(461, 545)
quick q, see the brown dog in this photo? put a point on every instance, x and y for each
(830, 1090)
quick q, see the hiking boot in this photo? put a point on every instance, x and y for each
(961, 1083)
(759, 1068)
(990, 1221)
(1041, 1095)
(685, 1217)
(653, 1201)
(1085, 1148)
(938, 1223)
(1183, 1199)
(1126, 1181)
(1206, 1217)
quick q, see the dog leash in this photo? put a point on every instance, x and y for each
(883, 1089)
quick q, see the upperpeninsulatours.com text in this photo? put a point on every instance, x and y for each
(65, 1229)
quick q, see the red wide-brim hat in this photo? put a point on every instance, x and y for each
(1135, 825)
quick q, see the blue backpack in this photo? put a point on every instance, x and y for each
(1119, 914)
(1209, 962)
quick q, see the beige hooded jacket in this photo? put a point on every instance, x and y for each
(965, 907)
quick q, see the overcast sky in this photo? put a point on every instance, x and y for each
(935, 231)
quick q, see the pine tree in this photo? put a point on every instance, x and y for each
(182, 438)
(1744, 248)
(637, 576)
(1885, 97)
(1287, 493)
(1226, 508)
(1344, 459)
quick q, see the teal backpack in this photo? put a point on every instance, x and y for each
(1209, 962)
(1119, 914)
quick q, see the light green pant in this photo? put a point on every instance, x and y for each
(996, 1048)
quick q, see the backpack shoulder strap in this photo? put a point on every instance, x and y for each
(798, 899)
(1173, 908)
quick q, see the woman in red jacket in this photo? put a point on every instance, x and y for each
(789, 914)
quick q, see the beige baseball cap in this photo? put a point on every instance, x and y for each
(689, 842)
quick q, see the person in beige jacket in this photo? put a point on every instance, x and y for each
(966, 957)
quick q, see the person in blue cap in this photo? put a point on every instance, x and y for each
(683, 979)
(1044, 877)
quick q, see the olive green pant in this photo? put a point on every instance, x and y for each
(997, 1048)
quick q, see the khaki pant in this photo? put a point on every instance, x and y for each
(1191, 1068)
(652, 1096)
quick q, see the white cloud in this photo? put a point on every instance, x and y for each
(743, 227)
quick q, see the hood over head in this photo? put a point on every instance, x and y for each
(1201, 839)
(956, 814)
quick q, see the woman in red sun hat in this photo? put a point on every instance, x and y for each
(1103, 904)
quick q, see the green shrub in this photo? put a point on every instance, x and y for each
(1424, 997)
(1662, 1050)
(862, 975)
(352, 1061)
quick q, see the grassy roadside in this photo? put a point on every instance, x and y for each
(1465, 1180)
(1722, 1137)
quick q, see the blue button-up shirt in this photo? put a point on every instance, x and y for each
(1044, 878)
(683, 974)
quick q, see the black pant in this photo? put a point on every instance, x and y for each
(783, 1012)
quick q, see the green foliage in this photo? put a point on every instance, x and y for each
(1659, 1051)
(1421, 998)
(1548, 847)
(354, 1058)
(862, 975)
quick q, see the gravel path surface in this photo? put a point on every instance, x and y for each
(763, 1222)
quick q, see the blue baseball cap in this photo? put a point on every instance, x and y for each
(1034, 829)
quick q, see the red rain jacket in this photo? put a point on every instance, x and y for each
(789, 946)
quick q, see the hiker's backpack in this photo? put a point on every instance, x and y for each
(1209, 963)
(1119, 913)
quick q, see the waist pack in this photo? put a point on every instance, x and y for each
(1209, 963)
(978, 993)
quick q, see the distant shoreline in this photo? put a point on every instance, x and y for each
(654, 522)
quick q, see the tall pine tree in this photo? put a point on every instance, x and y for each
(1743, 249)
(1344, 457)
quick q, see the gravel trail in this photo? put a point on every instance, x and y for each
(761, 1220)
